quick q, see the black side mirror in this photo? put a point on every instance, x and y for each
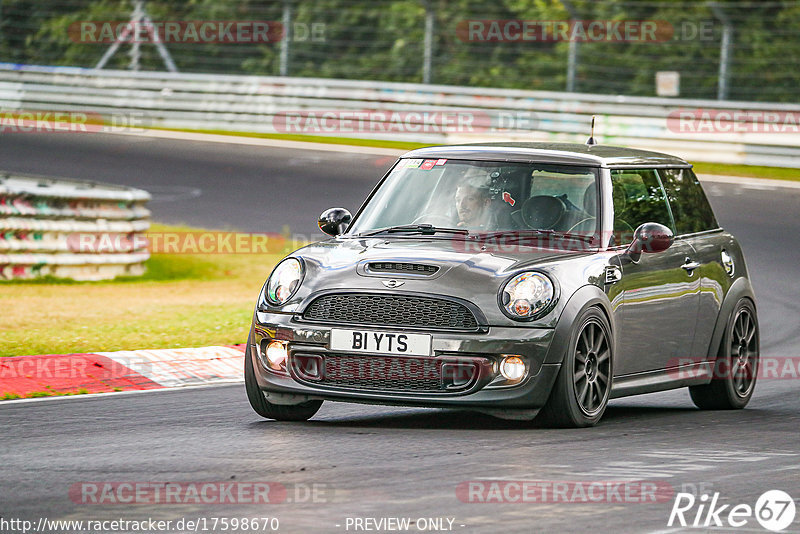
(650, 237)
(334, 221)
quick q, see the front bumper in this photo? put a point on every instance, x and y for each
(521, 400)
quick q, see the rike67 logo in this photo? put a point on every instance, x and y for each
(774, 510)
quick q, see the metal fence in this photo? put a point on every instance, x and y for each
(728, 49)
(89, 100)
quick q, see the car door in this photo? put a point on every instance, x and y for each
(657, 292)
(696, 225)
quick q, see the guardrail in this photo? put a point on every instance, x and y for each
(71, 229)
(703, 130)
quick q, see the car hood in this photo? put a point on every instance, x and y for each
(466, 270)
(337, 254)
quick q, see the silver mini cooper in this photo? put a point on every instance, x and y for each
(520, 280)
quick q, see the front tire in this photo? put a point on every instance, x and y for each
(583, 386)
(736, 366)
(280, 412)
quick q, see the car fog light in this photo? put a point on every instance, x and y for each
(512, 368)
(276, 354)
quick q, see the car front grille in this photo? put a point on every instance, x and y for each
(384, 373)
(391, 310)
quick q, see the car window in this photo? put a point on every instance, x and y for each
(688, 201)
(638, 198)
(484, 196)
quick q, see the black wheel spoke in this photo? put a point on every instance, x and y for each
(750, 335)
(737, 327)
(601, 376)
(749, 373)
(747, 323)
(599, 340)
(583, 393)
(590, 398)
(585, 341)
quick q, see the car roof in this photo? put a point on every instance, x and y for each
(556, 153)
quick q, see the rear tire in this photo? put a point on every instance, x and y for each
(280, 412)
(736, 366)
(581, 391)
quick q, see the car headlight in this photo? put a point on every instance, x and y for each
(527, 295)
(284, 281)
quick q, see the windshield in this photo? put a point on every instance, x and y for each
(483, 197)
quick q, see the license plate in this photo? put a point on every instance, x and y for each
(381, 342)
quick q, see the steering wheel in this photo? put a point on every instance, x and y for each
(579, 223)
(622, 226)
(623, 232)
(434, 220)
(543, 212)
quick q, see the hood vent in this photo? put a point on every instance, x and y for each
(402, 268)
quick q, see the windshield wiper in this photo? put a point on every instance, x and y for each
(425, 229)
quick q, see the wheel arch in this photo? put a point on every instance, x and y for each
(741, 288)
(585, 297)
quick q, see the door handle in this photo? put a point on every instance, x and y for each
(690, 265)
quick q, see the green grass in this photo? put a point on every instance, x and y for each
(747, 171)
(352, 141)
(184, 300)
(49, 393)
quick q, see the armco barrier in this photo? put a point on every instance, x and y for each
(45, 224)
(721, 131)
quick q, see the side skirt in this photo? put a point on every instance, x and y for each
(693, 374)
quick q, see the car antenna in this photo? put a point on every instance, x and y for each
(591, 140)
